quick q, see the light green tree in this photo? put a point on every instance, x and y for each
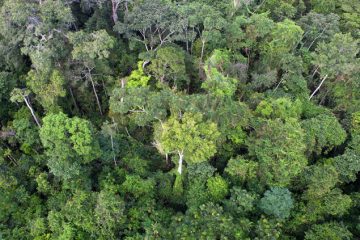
(192, 139)
(284, 38)
(69, 143)
(217, 82)
(137, 78)
(218, 188)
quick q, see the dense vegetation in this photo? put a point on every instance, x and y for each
(169, 119)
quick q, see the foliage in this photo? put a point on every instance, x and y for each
(338, 57)
(285, 37)
(198, 119)
(323, 131)
(330, 230)
(217, 187)
(69, 143)
(189, 137)
(137, 77)
(91, 46)
(241, 202)
(277, 202)
(279, 149)
(169, 67)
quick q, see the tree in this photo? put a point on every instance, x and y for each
(280, 9)
(241, 202)
(277, 202)
(350, 16)
(20, 95)
(137, 78)
(168, 67)
(48, 88)
(284, 38)
(217, 187)
(195, 184)
(88, 48)
(140, 104)
(339, 76)
(320, 179)
(344, 49)
(47, 39)
(268, 229)
(208, 23)
(26, 132)
(323, 132)
(279, 149)
(322, 6)
(216, 83)
(152, 23)
(189, 137)
(318, 28)
(328, 231)
(241, 170)
(282, 108)
(219, 85)
(109, 213)
(347, 166)
(70, 143)
(213, 224)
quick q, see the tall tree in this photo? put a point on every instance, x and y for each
(188, 136)
(88, 48)
(69, 143)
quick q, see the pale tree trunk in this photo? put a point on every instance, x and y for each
(28, 104)
(318, 88)
(167, 159)
(236, 4)
(94, 89)
(202, 51)
(115, 6)
(181, 159)
(122, 86)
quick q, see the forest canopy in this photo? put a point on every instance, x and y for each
(171, 119)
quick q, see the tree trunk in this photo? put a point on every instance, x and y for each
(181, 158)
(167, 159)
(115, 6)
(318, 88)
(94, 89)
(202, 51)
(122, 86)
(32, 111)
